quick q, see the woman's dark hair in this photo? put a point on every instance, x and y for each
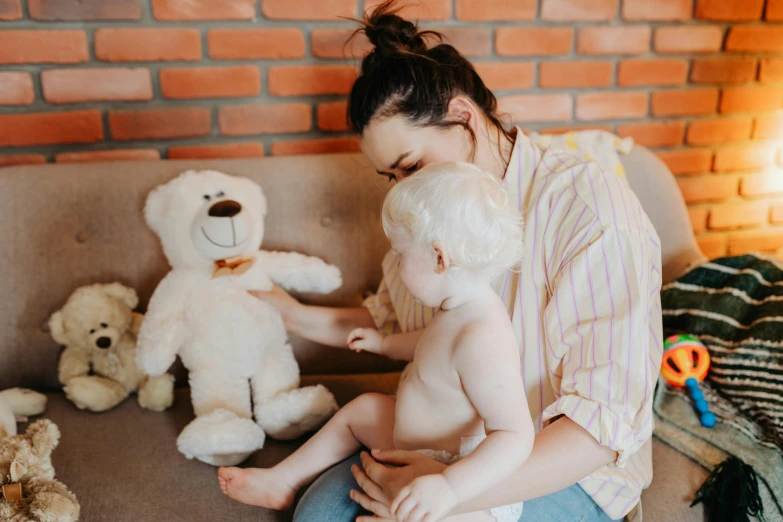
(401, 76)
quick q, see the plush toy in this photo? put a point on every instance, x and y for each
(98, 368)
(235, 346)
(15, 405)
(28, 490)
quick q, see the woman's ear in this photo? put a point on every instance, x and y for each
(442, 256)
(463, 110)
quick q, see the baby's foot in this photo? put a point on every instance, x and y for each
(257, 487)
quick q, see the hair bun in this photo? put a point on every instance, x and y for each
(390, 33)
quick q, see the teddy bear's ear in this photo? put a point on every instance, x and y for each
(123, 293)
(57, 328)
(44, 436)
(156, 206)
(18, 470)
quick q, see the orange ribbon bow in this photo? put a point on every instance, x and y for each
(232, 266)
(11, 492)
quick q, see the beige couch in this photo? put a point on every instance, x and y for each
(68, 225)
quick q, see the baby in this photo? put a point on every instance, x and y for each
(462, 401)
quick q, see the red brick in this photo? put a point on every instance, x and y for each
(559, 129)
(147, 45)
(174, 10)
(210, 82)
(683, 103)
(657, 134)
(255, 44)
(771, 70)
(108, 155)
(687, 161)
(85, 9)
(85, 85)
(764, 184)
(578, 10)
(533, 41)
(425, 10)
(16, 88)
(611, 105)
(506, 76)
(50, 128)
(707, 132)
(652, 72)
(775, 216)
(44, 46)
(768, 240)
(633, 39)
(230, 150)
(327, 146)
(21, 159)
(496, 10)
(10, 10)
(660, 10)
(755, 39)
(565, 75)
(302, 80)
(698, 218)
(750, 99)
(723, 70)
(536, 107)
(338, 43)
(768, 126)
(469, 41)
(774, 10)
(744, 157)
(729, 10)
(153, 124)
(738, 215)
(308, 9)
(688, 39)
(707, 188)
(332, 116)
(712, 246)
(265, 119)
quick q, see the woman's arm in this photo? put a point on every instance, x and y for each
(321, 324)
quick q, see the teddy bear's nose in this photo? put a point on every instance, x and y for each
(103, 342)
(226, 208)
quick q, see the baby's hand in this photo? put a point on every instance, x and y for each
(366, 339)
(430, 497)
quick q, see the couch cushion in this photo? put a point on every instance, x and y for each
(73, 225)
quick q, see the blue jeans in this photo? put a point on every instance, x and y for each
(327, 500)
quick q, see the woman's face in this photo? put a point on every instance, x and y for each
(397, 149)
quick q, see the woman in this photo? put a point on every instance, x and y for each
(585, 303)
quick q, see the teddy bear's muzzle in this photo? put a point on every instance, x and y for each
(103, 342)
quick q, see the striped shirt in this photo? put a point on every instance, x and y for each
(585, 307)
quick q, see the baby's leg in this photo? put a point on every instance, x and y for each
(365, 421)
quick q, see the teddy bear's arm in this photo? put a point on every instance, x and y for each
(73, 363)
(163, 331)
(300, 273)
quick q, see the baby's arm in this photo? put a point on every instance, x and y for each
(397, 346)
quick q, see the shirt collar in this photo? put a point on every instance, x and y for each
(525, 157)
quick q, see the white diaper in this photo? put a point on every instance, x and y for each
(509, 513)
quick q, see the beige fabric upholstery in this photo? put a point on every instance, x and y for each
(69, 225)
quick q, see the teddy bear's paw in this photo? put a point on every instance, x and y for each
(291, 414)
(90, 392)
(220, 438)
(157, 393)
(24, 402)
(53, 502)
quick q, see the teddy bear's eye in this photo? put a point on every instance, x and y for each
(207, 197)
(92, 331)
(104, 325)
(220, 194)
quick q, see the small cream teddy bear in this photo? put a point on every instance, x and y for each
(28, 490)
(98, 370)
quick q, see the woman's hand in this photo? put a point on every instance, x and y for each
(367, 339)
(382, 480)
(282, 300)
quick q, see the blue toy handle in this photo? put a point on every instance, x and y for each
(706, 417)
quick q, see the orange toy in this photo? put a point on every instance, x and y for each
(686, 362)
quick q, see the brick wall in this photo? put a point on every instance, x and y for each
(700, 81)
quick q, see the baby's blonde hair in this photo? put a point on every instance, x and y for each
(463, 207)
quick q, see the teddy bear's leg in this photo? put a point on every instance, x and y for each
(157, 393)
(52, 502)
(284, 410)
(94, 393)
(223, 432)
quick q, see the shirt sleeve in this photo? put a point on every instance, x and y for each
(382, 310)
(600, 333)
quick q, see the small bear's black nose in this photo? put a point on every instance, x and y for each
(226, 208)
(103, 342)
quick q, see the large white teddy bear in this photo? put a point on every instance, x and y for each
(235, 346)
